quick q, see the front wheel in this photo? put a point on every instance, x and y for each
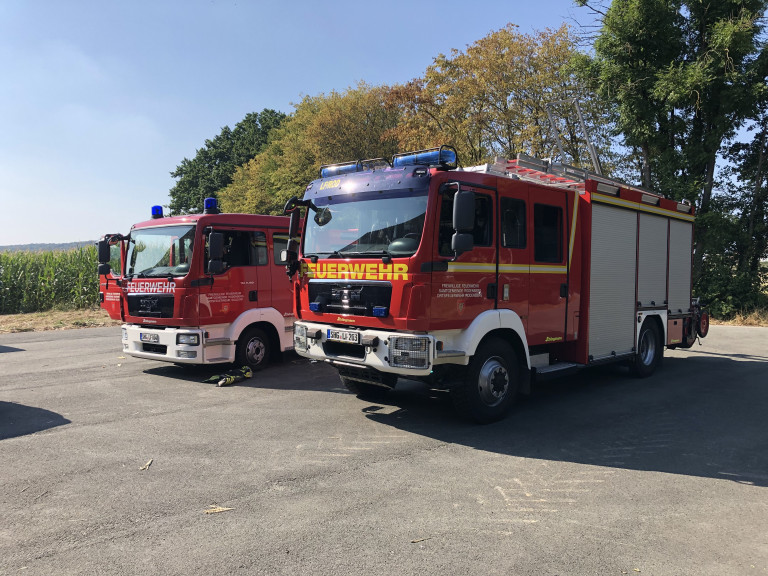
(252, 349)
(650, 350)
(490, 385)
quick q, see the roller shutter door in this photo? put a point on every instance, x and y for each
(652, 262)
(612, 281)
(680, 245)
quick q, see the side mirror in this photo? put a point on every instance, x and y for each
(323, 216)
(216, 246)
(104, 268)
(216, 253)
(104, 256)
(290, 205)
(293, 223)
(461, 242)
(215, 266)
(464, 211)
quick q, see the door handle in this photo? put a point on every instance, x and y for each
(563, 290)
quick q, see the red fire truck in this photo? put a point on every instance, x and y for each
(200, 289)
(478, 280)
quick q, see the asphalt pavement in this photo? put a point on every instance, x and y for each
(115, 465)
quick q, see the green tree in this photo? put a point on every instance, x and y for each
(491, 100)
(341, 126)
(684, 75)
(214, 164)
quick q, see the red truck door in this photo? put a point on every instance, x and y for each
(281, 284)
(245, 282)
(548, 254)
(514, 255)
(110, 292)
(467, 287)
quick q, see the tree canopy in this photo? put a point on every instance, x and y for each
(491, 100)
(684, 76)
(214, 164)
(351, 125)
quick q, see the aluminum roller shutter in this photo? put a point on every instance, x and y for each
(680, 246)
(612, 281)
(652, 262)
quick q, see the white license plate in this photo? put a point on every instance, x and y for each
(343, 336)
(154, 338)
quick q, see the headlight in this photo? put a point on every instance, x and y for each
(409, 351)
(299, 337)
(190, 339)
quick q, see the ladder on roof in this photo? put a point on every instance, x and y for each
(563, 175)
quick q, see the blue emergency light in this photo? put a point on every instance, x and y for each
(210, 206)
(157, 212)
(338, 169)
(442, 156)
(380, 311)
(329, 170)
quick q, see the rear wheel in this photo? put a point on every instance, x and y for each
(490, 384)
(252, 349)
(702, 324)
(650, 350)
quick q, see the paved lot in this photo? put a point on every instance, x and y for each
(598, 474)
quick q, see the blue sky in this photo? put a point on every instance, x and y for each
(100, 101)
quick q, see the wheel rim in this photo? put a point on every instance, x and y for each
(493, 382)
(647, 347)
(254, 351)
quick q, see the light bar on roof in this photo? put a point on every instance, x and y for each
(442, 156)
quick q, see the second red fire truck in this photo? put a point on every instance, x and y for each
(478, 280)
(205, 288)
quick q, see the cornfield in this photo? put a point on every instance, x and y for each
(39, 281)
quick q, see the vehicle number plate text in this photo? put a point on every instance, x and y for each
(343, 336)
(154, 338)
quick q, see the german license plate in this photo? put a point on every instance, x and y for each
(154, 338)
(343, 336)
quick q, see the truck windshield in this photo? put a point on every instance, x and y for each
(160, 252)
(374, 224)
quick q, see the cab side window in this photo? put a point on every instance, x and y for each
(483, 231)
(513, 232)
(547, 233)
(279, 243)
(242, 248)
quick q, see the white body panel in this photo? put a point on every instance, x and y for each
(218, 347)
(652, 261)
(680, 242)
(612, 282)
(458, 345)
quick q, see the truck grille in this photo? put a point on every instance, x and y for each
(356, 298)
(150, 305)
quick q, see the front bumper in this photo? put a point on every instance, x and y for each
(401, 353)
(175, 345)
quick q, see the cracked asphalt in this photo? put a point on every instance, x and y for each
(114, 465)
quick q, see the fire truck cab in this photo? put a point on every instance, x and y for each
(200, 289)
(479, 279)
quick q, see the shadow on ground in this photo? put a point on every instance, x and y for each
(703, 416)
(20, 420)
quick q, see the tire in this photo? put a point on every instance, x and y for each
(490, 384)
(702, 324)
(363, 389)
(650, 351)
(253, 349)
